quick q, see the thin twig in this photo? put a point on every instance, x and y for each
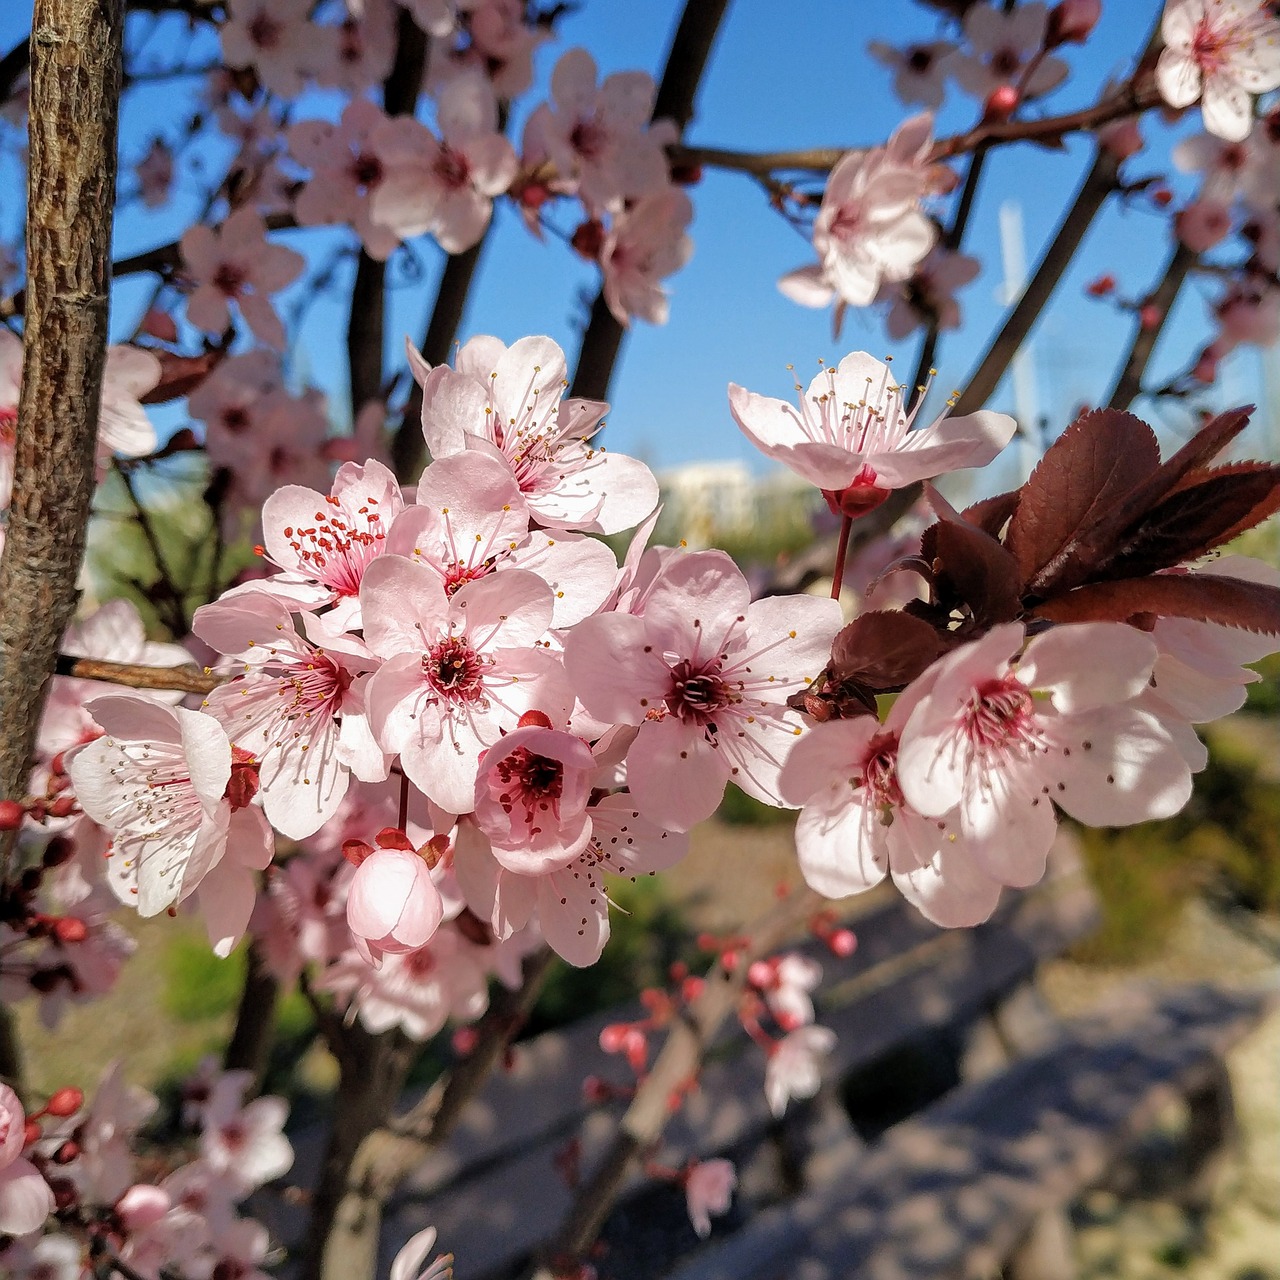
(135, 675)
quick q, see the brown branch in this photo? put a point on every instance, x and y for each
(675, 1067)
(1129, 384)
(75, 89)
(136, 676)
(686, 61)
(389, 1155)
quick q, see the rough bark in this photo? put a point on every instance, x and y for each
(75, 90)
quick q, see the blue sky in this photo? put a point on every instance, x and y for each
(781, 76)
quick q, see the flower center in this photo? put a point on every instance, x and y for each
(8, 427)
(454, 670)
(880, 771)
(229, 279)
(532, 782)
(1000, 713)
(338, 547)
(588, 139)
(451, 168)
(367, 170)
(265, 31)
(697, 693)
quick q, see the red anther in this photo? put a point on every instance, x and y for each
(1162, 197)
(762, 975)
(1001, 103)
(707, 942)
(65, 1101)
(614, 1036)
(539, 718)
(66, 1153)
(394, 838)
(588, 239)
(63, 807)
(843, 942)
(11, 815)
(70, 929)
(1100, 287)
(1150, 316)
(465, 1040)
(356, 851)
(32, 1132)
(59, 850)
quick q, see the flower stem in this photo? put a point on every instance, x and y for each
(842, 550)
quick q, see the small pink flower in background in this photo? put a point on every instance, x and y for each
(1249, 314)
(408, 1262)
(1003, 743)
(794, 1069)
(155, 174)
(1221, 52)
(363, 48)
(238, 1251)
(643, 246)
(928, 296)
(869, 227)
(445, 186)
(25, 1197)
(246, 1144)
(274, 37)
(237, 263)
(142, 1206)
(234, 400)
(393, 905)
(708, 1189)
(919, 75)
(785, 982)
(598, 138)
(1203, 223)
(1000, 47)
(851, 434)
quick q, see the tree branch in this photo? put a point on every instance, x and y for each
(686, 61)
(136, 676)
(1129, 384)
(75, 89)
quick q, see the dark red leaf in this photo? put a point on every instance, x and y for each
(992, 514)
(1204, 597)
(884, 650)
(1084, 475)
(972, 572)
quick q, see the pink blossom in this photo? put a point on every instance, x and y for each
(25, 1198)
(458, 671)
(918, 69)
(851, 434)
(869, 227)
(275, 38)
(234, 400)
(445, 186)
(599, 139)
(237, 263)
(155, 174)
(502, 44)
(1248, 313)
(471, 520)
(705, 674)
(393, 905)
(294, 706)
(791, 978)
(1227, 167)
(142, 1206)
(1221, 52)
(158, 780)
(708, 1188)
(928, 297)
(643, 246)
(1002, 44)
(345, 172)
(1203, 223)
(363, 49)
(407, 1264)
(238, 1251)
(506, 401)
(1004, 743)
(104, 1169)
(247, 1143)
(794, 1069)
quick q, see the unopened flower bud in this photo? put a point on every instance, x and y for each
(588, 239)
(70, 929)
(842, 942)
(1072, 21)
(66, 1153)
(1001, 103)
(64, 1102)
(11, 815)
(1100, 287)
(762, 975)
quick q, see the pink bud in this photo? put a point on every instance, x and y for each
(843, 943)
(1150, 316)
(762, 975)
(1001, 103)
(613, 1037)
(393, 905)
(1071, 21)
(11, 814)
(142, 1206)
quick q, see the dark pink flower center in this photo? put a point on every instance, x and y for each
(1004, 62)
(1000, 712)
(454, 670)
(697, 692)
(367, 170)
(588, 139)
(880, 771)
(8, 426)
(235, 418)
(230, 279)
(919, 57)
(531, 782)
(451, 168)
(265, 31)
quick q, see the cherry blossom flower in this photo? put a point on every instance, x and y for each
(363, 49)
(1001, 46)
(794, 1069)
(51, 1257)
(458, 671)
(445, 186)
(471, 520)
(928, 296)
(158, 781)
(238, 1251)
(1221, 52)
(104, 1168)
(236, 263)
(155, 174)
(599, 139)
(708, 1189)
(345, 171)
(407, 1264)
(294, 706)
(502, 44)
(788, 979)
(851, 434)
(1203, 223)
(1004, 743)
(274, 37)
(233, 401)
(506, 401)
(705, 674)
(869, 227)
(246, 1144)
(393, 906)
(643, 246)
(918, 69)
(25, 1197)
